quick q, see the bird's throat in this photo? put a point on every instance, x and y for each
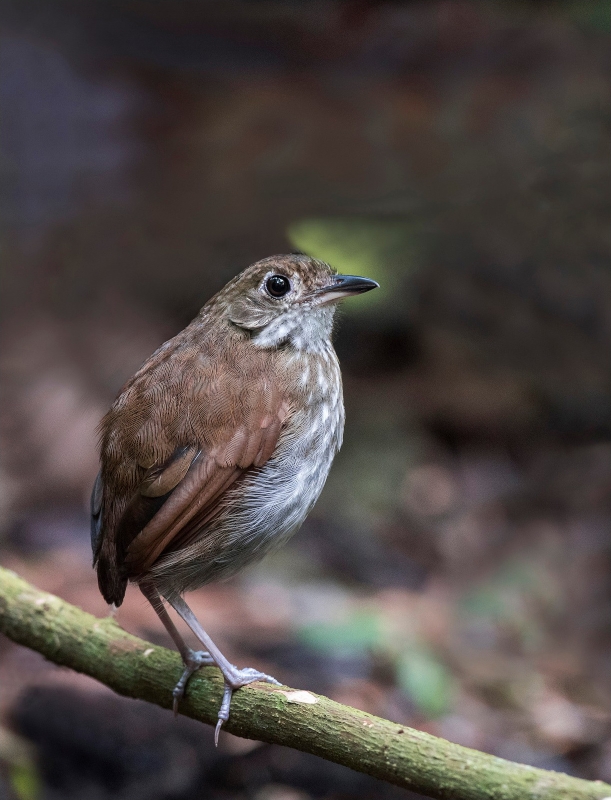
(308, 330)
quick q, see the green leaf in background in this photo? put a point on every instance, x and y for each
(19, 757)
(484, 601)
(360, 631)
(386, 250)
(25, 781)
(425, 680)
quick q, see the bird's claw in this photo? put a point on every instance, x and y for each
(234, 679)
(195, 660)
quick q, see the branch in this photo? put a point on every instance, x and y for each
(314, 724)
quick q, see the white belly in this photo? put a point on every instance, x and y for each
(275, 500)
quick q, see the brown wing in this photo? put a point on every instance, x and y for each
(195, 496)
(169, 456)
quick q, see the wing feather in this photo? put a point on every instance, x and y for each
(206, 429)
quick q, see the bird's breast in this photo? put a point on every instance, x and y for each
(276, 499)
(271, 503)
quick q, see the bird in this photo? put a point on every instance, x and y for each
(216, 450)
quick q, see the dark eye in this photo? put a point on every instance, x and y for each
(277, 285)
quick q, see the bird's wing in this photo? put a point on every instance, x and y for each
(137, 518)
(193, 489)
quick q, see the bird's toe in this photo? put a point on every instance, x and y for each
(195, 660)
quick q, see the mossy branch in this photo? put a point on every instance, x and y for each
(314, 724)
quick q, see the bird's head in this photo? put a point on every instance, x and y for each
(287, 299)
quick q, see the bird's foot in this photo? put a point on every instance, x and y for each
(234, 679)
(194, 660)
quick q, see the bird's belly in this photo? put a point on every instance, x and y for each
(264, 508)
(274, 503)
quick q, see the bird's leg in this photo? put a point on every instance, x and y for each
(234, 677)
(193, 659)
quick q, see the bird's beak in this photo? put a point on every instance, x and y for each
(344, 286)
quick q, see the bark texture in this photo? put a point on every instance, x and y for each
(312, 723)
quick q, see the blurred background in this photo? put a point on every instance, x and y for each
(455, 575)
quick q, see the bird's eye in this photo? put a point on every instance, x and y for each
(277, 285)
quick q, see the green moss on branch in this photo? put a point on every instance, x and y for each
(314, 724)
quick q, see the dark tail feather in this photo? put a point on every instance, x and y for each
(111, 584)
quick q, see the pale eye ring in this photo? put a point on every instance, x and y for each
(277, 286)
